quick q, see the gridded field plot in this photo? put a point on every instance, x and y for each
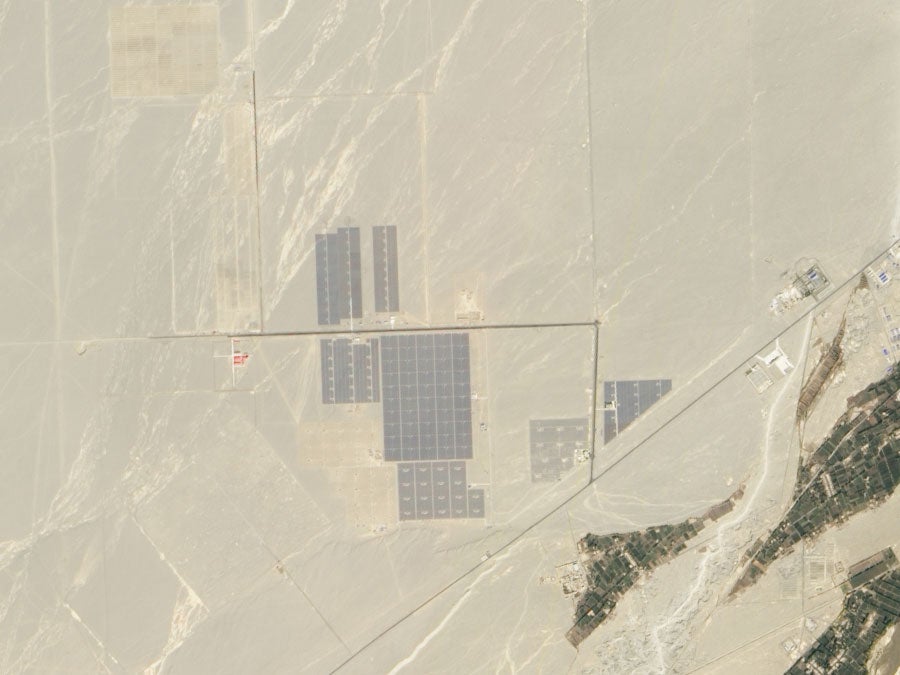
(429, 490)
(426, 396)
(235, 248)
(167, 50)
(349, 371)
(626, 400)
(387, 279)
(554, 444)
(338, 276)
(337, 443)
(368, 493)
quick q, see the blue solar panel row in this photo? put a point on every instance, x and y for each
(387, 282)
(338, 277)
(626, 400)
(429, 490)
(325, 316)
(349, 371)
(426, 397)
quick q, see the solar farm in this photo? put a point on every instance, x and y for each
(414, 336)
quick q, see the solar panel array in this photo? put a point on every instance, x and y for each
(338, 277)
(554, 444)
(627, 400)
(387, 284)
(429, 490)
(426, 396)
(349, 371)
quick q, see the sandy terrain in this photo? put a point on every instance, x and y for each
(583, 191)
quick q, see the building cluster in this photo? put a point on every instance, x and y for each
(764, 367)
(856, 467)
(811, 281)
(571, 578)
(869, 610)
(613, 563)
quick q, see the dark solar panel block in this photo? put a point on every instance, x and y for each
(373, 369)
(476, 503)
(334, 277)
(326, 354)
(355, 275)
(324, 313)
(458, 490)
(387, 285)
(389, 343)
(426, 391)
(646, 391)
(442, 340)
(408, 451)
(461, 409)
(446, 441)
(440, 483)
(609, 391)
(626, 400)
(328, 278)
(361, 374)
(346, 371)
(373, 385)
(406, 491)
(424, 493)
(425, 398)
(443, 396)
(554, 443)
(609, 425)
(393, 270)
(350, 274)
(628, 405)
(331, 279)
(340, 268)
(390, 398)
(436, 490)
(338, 276)
(462, 439)
(343, 371)
(393, 453)
(349, 371)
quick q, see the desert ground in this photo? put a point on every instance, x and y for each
(582, 192)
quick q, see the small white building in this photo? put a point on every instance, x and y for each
(778, 358)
